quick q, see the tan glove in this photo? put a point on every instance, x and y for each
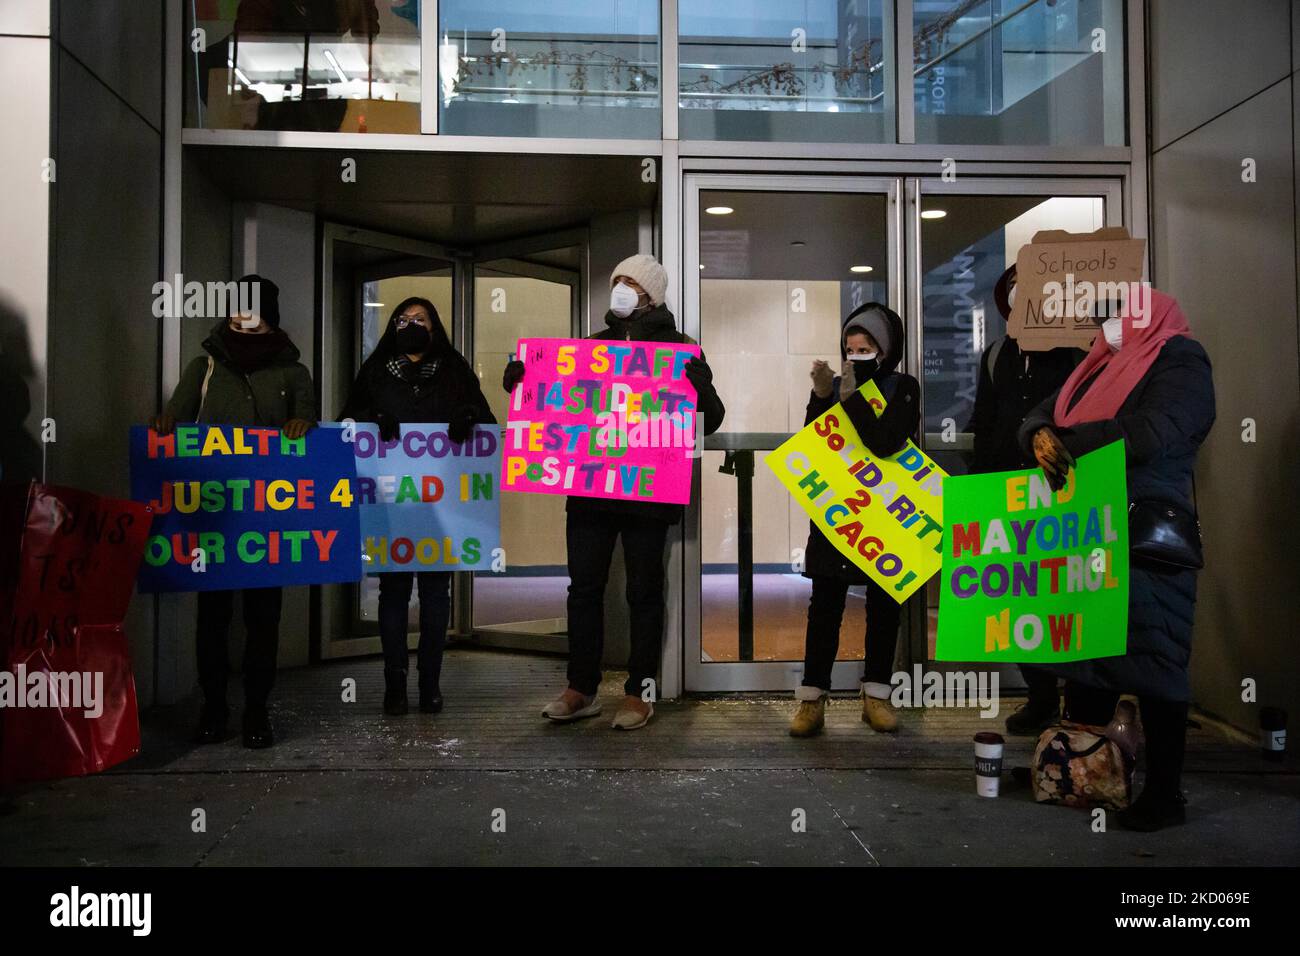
(823, 379)
(1053, 457)
(848, 384)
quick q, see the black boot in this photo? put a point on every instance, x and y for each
(257, 727)
(1041, 710)
(395, 704)
(430, 697)
(1152, 811)
(213, 720)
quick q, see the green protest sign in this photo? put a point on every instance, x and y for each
(1035, 576)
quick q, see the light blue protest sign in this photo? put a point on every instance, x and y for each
(425, 502)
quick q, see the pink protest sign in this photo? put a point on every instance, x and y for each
(602, 419)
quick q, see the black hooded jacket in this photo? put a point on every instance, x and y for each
(884, 434)
(390, 386)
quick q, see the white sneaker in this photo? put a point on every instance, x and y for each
(571, 705)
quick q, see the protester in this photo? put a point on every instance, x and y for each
(1145, 382)
(637, 313)
(414, 375)
(250, 376)
(871, 347)
(1012, 381)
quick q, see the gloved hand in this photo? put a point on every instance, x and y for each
(460, 424)
(823, 379)
(1053, 457)
(389, 430)
(295, 428)
(698, 373)
(848, 382)
(513, 373)
(163, 424)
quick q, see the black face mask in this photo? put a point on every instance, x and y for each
(414, 340)
(250, 351)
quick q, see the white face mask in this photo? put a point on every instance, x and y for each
(864, 357)
(623, 300)
(1113, 331)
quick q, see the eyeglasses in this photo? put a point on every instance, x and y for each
(402, 321)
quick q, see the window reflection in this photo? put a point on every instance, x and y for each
(319, 65)
(783, 70)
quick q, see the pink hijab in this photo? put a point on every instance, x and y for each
(1120, 371)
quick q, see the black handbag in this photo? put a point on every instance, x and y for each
(1164, 536)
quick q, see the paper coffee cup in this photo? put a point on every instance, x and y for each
(1272, 733)
(988, 763)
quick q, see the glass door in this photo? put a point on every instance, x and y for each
(960, 237)
(772, 264)
(530, 288)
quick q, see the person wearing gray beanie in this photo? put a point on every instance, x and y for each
(637, 313)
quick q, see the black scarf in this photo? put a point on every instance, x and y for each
(249, 352)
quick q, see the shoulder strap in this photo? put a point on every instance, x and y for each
(203, 390)
(992, 359)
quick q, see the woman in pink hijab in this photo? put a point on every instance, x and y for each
(1145, 382)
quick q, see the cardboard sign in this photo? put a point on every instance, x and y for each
(884, 514)
(425, 502)
(1060, 276)
(70, 560)
(1035, 576)
(245, 507)
(602, 419)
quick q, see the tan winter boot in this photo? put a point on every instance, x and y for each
(810, 716)
(879, 713)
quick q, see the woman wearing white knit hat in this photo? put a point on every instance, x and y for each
(637, 313)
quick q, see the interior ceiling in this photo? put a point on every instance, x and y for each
(456, 199)
(838, 230)
(466, 200)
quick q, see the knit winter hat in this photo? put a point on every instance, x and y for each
(646, 272)
(268, 295)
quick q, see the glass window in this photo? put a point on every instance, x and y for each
(784, 70)
(568, 68)
(320, 65)
(779, 271)
(1044, 72)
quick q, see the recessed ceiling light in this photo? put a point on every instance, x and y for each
(859, 268)
(933, 213)
(701, 265)
(798, 243)
(719, 210)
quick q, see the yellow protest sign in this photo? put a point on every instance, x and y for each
(884, 514)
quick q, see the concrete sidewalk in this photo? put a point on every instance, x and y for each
(707, 782)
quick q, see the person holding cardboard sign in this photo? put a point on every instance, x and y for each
(250, 376)
(415, 375)
(1012, 381)
(1146, 383)
(871, 347)
(637, 314)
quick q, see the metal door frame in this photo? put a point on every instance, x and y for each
(758, 675)
(516, 249)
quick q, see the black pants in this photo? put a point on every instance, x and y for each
(261, 646)
(1041, 685)
(826, 611)
(435, 611)
(1164, 724)
(591, 538)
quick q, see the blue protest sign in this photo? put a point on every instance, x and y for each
(425, 502)
(244, 507)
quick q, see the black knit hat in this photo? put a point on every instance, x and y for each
(268, 294)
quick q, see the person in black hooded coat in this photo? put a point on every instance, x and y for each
(871, 346)
(414, 375)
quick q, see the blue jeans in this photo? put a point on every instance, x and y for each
(435, 610)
